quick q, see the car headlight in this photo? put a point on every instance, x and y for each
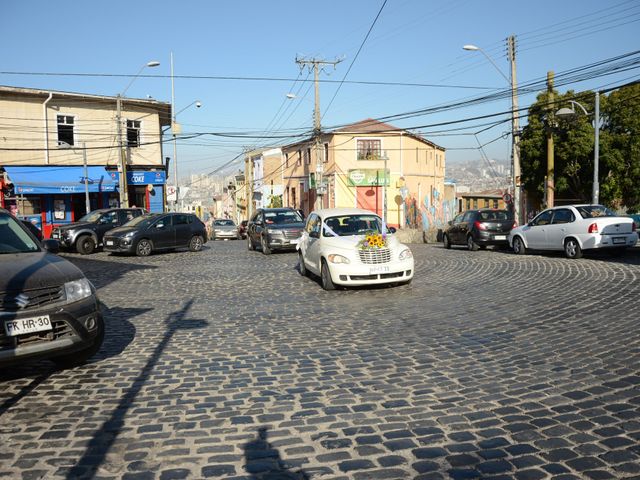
(129, 234)
(335, 258)
(77, 290)
(405, 254)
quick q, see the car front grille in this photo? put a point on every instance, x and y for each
(61, 329)
(290, 234)
(18, 301)
(375, 256)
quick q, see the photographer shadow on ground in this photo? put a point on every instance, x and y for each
(263, 461)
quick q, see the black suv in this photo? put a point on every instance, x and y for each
(274, 229)
(157, 231)
(479, 228)
(86, 234)
(48, 308)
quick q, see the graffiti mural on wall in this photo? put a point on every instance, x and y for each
(430, 213)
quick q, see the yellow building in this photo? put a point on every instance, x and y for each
(348, 170)
(46, 136)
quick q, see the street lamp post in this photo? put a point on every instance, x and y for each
(569, 113)
(122, 164)
(515, 133)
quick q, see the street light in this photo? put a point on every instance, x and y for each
(570, 113)
(122, 164)
(515, 139)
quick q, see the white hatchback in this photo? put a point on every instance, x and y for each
(347, 247)
(574, 228)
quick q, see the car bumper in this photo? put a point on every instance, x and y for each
(64, 241)
(594, 241)
(281, 243)
(71, 331)
(363, 274)
(118, 245)
(492, 238)
(231, 235)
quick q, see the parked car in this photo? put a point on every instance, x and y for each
(242, 229)
(479, 228)
(48, 308)
(33, 229)
(223, 228)
(274, 229)
(157, 231)
(87, 234)
(574, 229)
(347, 246)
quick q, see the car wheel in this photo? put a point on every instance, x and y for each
(144, 248)
(78, 358)
(250, 244)
(325, 277)
(446, 241)
(518, 246)
(303, 268)
(195, 245)
(471, 244)
(85, 245)
(265, 246)
(572, 248)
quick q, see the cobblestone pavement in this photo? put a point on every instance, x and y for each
(228, 364)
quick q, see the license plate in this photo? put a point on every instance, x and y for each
(55, 235)
(499, 237)
(619, 240)
(380, 269)
(109, 242)
(27, 325)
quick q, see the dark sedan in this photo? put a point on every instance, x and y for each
(479, 228)
(48, 308)
(155, 232)
(274, 229)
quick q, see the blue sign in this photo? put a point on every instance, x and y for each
(58, 179)
(142, 177)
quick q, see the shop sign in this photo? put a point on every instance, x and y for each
(142, 178)
(364, 177)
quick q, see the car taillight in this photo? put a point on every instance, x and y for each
(593, 228)
(515, 224)
(633, 227)
(479, 226)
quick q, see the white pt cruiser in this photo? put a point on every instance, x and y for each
(347, 247)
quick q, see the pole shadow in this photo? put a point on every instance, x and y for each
(103, 439)
(263, 461)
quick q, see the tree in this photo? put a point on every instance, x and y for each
(574, 140)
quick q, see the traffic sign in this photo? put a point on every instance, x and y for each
(507, 197)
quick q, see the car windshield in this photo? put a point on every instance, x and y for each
(593, 211)
(488, 215)
(143, 221)
(91, 217)
(347, 225)
(282, 218)
(224, 223)
(13, 238)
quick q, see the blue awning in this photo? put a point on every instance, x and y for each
(59, 180)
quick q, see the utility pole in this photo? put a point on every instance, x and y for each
(550, 152)
(515, 132)
(317, 130)
(122, 164)
(596, 152)
(174, 126)
(87, 202)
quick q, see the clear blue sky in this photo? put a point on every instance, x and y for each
(413, 41)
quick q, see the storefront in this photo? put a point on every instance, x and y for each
(145, 188)
(55, 195)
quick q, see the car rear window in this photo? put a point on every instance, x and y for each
(593, 211)
(496, 215)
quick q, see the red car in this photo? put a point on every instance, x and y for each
(242, 229)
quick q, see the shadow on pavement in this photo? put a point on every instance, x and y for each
(103, 272)
(263, 461)
(103, 439)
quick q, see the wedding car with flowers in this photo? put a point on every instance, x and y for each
(352, 247)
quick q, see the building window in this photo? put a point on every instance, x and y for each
(133, 133)
(495, 203)
(30, 205)
(65, 129)
(475, 203)
(369, 149)
(308, 156)
(286, 160)
(293, 196)
(468, 204)
(299, 157)
(326, 152)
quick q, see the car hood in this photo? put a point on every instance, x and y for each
(121, 231)
(288, 226)
(70, 226)
(33, 270)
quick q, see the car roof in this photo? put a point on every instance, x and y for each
(337, 212)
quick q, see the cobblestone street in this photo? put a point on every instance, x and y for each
(228, 364)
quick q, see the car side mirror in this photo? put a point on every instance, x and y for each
(160, 225)
(391, 229)
(314, 234)
(51, 246)
(450, 222)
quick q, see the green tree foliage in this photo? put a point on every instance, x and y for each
(619, 165)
